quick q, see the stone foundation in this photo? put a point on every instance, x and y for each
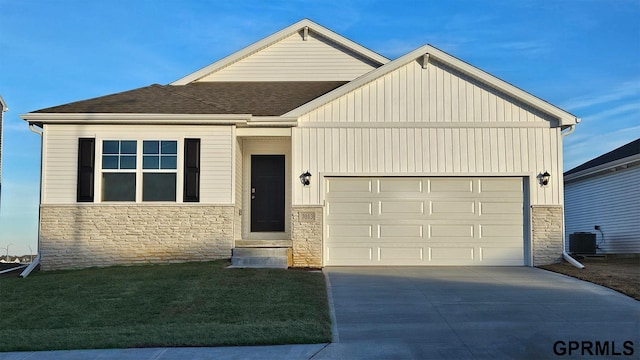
(306, 236)
(546, 224)
(79, 236)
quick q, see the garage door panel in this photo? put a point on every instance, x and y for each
(500, 231)
(349, 255)
(349, 207)
(395, 185)
(351, 185)
(501, 208)
(501, 253)
(449, 185)
(451, 231)
(350, 231)
(400, 231)
(452, 207)
(405, 207)
(440, 254)
(394, 254)
(424, 221)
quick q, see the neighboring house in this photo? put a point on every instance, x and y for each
(605, 192)
(3, 109)
(422, 160)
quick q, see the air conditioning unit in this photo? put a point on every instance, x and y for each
(582, 243)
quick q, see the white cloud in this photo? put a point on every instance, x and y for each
(620, 92)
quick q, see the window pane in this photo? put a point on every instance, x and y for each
(110, 146)
(169, 147)
(150, 147)
(169, 162)
(127, 162)
(119, 187)
(150, 162)
(109, 162)
(128, 147)
(158, 187)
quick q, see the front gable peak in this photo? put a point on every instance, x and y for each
(304, 51)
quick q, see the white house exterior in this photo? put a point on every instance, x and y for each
(423, 160)
(605, 191)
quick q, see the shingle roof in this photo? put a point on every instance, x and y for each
(256, 98)
(630, 149)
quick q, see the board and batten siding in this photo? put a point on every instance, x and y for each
(60, 159)
(428, 122)
(294, 59)
(611, 201)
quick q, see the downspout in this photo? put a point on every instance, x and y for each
(36, 261)
(565, 255)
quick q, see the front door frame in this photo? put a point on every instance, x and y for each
(265, 146)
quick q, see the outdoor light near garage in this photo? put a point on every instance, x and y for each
(305, 178)
(544, 178)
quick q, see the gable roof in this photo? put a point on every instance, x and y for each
(254, 98)
(257, 46)
(623, 152)
(424, 54)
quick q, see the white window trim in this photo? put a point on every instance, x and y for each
(179, 171)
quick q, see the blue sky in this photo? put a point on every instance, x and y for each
(581, 55)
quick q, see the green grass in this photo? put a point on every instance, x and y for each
(191, 304)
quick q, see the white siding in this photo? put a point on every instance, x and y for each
(611, 201)
(428, 152)
(425, 122)
(61, 157)
(435, 94)
(293, 59)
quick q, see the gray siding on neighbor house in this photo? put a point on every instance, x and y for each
(612, 201)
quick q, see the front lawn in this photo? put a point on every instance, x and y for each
(191, 304)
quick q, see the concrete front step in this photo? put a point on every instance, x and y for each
(261, 257)
(264, 243)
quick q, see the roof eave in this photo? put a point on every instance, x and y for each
(161, 119)
(609, 167)
(275, 37)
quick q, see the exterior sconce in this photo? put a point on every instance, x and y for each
(305, 178)
(544, 178)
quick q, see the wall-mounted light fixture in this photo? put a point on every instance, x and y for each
(544, 178)
(305, 178)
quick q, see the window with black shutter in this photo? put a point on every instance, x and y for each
(86, 163)
(191, 170)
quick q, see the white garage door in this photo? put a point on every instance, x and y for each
(424, 221)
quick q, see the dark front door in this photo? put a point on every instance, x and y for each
(267, 193)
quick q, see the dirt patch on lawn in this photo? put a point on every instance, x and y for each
(615, 272)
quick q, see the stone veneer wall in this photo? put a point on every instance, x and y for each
(546, 223)
(306, 235)
(78, 236)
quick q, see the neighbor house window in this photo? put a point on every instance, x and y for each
(119, 170)
(159, 170)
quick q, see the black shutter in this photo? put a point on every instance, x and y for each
(86, 161)
(191, 170)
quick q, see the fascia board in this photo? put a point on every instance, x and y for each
(564, 117)
(3, 105)
(162, 119)
(603, 168)
(273, 38)
(113, 118)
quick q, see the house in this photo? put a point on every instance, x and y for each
(309, 145)
(605, 192)
(3, 109)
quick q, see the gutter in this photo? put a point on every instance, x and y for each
(565, 255)
(36, 261)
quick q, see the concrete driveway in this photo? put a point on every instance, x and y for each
(476, 313)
